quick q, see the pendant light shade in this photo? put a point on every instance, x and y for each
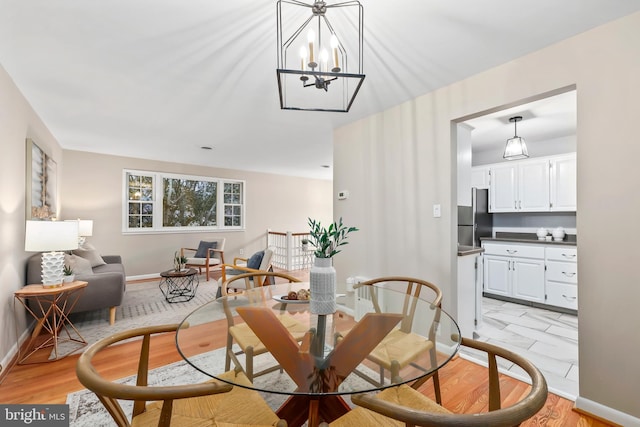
(516, 147)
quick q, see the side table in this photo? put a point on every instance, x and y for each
(179, 286)
(50, 307)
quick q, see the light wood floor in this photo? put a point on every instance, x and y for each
(463, 383)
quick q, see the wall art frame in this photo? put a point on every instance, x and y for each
(41, 183)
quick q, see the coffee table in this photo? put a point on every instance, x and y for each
(179, 286)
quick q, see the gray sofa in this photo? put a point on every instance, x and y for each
(106, 284)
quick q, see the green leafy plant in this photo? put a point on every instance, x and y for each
(179, 261)
(304, 241)
(327, 240)
(67, 270)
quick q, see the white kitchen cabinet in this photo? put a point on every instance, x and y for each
(480, 177)
(562, 277)
(521, 186)
(514, 270)
(563, 183)
(536, 185)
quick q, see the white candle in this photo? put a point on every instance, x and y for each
(324, 58)
(311, 36)
(334, 46)
(303, 58)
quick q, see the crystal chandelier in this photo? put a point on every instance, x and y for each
(319, 64)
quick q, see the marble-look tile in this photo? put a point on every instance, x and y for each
(543, 336)
(573, 373)
(515, 337)
(564, 353)
(559, 331)
(547, 338)
(509, 319)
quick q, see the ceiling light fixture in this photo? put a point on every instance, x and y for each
(319, 67)
(516, 147)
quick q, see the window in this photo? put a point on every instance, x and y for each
(163, 202)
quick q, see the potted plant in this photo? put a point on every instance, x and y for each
(68, 274)
(305, 244)
(322, 277)
(327, 240)
(179, 261)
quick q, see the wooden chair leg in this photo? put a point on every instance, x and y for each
(112, 315)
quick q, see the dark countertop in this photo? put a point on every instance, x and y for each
(469, 250)
(569, 239)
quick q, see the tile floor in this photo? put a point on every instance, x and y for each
(547, 338)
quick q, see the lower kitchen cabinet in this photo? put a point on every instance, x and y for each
(543, 274)
(514, 270)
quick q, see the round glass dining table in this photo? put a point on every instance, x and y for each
(390, 336)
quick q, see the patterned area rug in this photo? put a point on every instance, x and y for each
(143, 305)
(86, 410)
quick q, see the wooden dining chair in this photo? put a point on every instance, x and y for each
(205, 404)
(241, 334)
(392, 353)
(404, 406)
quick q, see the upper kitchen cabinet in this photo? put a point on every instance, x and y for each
(563, 183)
(480, 177)
(521, 186)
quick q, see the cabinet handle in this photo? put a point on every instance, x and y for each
(568, 297)
(571, 274)
(569, 255)
(512, 251)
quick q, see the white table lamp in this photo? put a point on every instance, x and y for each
(51, 237)
(85, 229)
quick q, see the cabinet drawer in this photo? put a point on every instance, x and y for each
(562, 272)
(562, 295)
(564, 253)
(521, 251)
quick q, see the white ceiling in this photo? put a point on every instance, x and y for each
(158, 79)
(542, 120)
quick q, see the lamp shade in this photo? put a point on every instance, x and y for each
(45, 236)
(515, 149)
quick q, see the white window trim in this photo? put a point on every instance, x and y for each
(158, 202)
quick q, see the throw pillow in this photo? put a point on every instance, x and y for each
(255, 260)
(90, 253)
(79, 265)
(204, 247)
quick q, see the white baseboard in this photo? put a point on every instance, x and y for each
(143, 277)
(14, 348)
(606, 413)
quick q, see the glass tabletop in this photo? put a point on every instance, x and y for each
(337, 354)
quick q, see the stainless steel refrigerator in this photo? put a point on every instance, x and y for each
(475, 221)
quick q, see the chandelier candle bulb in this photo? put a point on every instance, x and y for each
(324, 60)
(334, 46)
(310, 38)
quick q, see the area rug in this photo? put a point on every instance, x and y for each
(143, 305)
(86, 410)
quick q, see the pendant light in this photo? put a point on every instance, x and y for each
(516, 147)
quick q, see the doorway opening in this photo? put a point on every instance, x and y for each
(520, 311)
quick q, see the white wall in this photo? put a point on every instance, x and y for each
(92, 189)
(18, 122)
(90, 186)
(398, 163)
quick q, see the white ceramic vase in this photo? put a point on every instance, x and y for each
(322, 283)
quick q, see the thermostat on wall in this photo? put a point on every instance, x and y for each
(344, 194)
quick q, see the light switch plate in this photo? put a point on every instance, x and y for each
(436, 211)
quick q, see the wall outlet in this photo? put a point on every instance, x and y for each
(437, 212)
(241, 251)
